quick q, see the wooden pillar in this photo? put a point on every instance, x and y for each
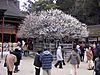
(97, 39)
(2, 36)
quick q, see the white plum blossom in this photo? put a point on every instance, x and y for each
(52, 23)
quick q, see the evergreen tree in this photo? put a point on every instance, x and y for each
(40, 5)
(65, 5)
(87, 11)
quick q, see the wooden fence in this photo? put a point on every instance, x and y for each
(67, 47)
(52, 47)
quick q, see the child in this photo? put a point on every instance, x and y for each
(37, 63)
(74, 61)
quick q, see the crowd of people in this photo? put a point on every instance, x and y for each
(88, 53)
(43, 59)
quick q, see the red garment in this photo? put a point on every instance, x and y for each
(89, 55)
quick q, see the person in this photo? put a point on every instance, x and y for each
(82, 52)
(94, 50)
(78, 51)
(25, 48)
(74, 60)
(37, 63)
(85, 56)
(46, 58)
(10, 60)
(97, 65)
(59, 58)
(18, 54)
(63, 61)
(23, 43)
(89, 55)
(97, 50)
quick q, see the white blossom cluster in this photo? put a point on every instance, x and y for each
(52, 23)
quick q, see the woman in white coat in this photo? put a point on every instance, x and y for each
(59, 58)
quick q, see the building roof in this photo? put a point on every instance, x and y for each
(12, 7)
(94, 30)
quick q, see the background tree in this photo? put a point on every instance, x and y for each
(65, 5)
(39, 5)
(87, 11)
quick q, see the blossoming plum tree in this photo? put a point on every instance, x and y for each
(52, 23)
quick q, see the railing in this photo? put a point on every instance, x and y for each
(39, 46)
(52, 47)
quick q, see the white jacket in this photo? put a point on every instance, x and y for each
(59, 53)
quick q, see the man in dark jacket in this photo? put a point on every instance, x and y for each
(18, 54)
(37, 63)
(46, 58)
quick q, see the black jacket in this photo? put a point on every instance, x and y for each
(97, 51)
(18, 54)
(97, 66)
(37, 61)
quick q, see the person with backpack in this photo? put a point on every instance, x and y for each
(97, 65)
(74, 60)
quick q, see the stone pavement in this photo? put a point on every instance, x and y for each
(27, 68)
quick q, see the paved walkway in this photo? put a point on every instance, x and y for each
(27, 68)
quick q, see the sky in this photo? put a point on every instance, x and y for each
(21, 3)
